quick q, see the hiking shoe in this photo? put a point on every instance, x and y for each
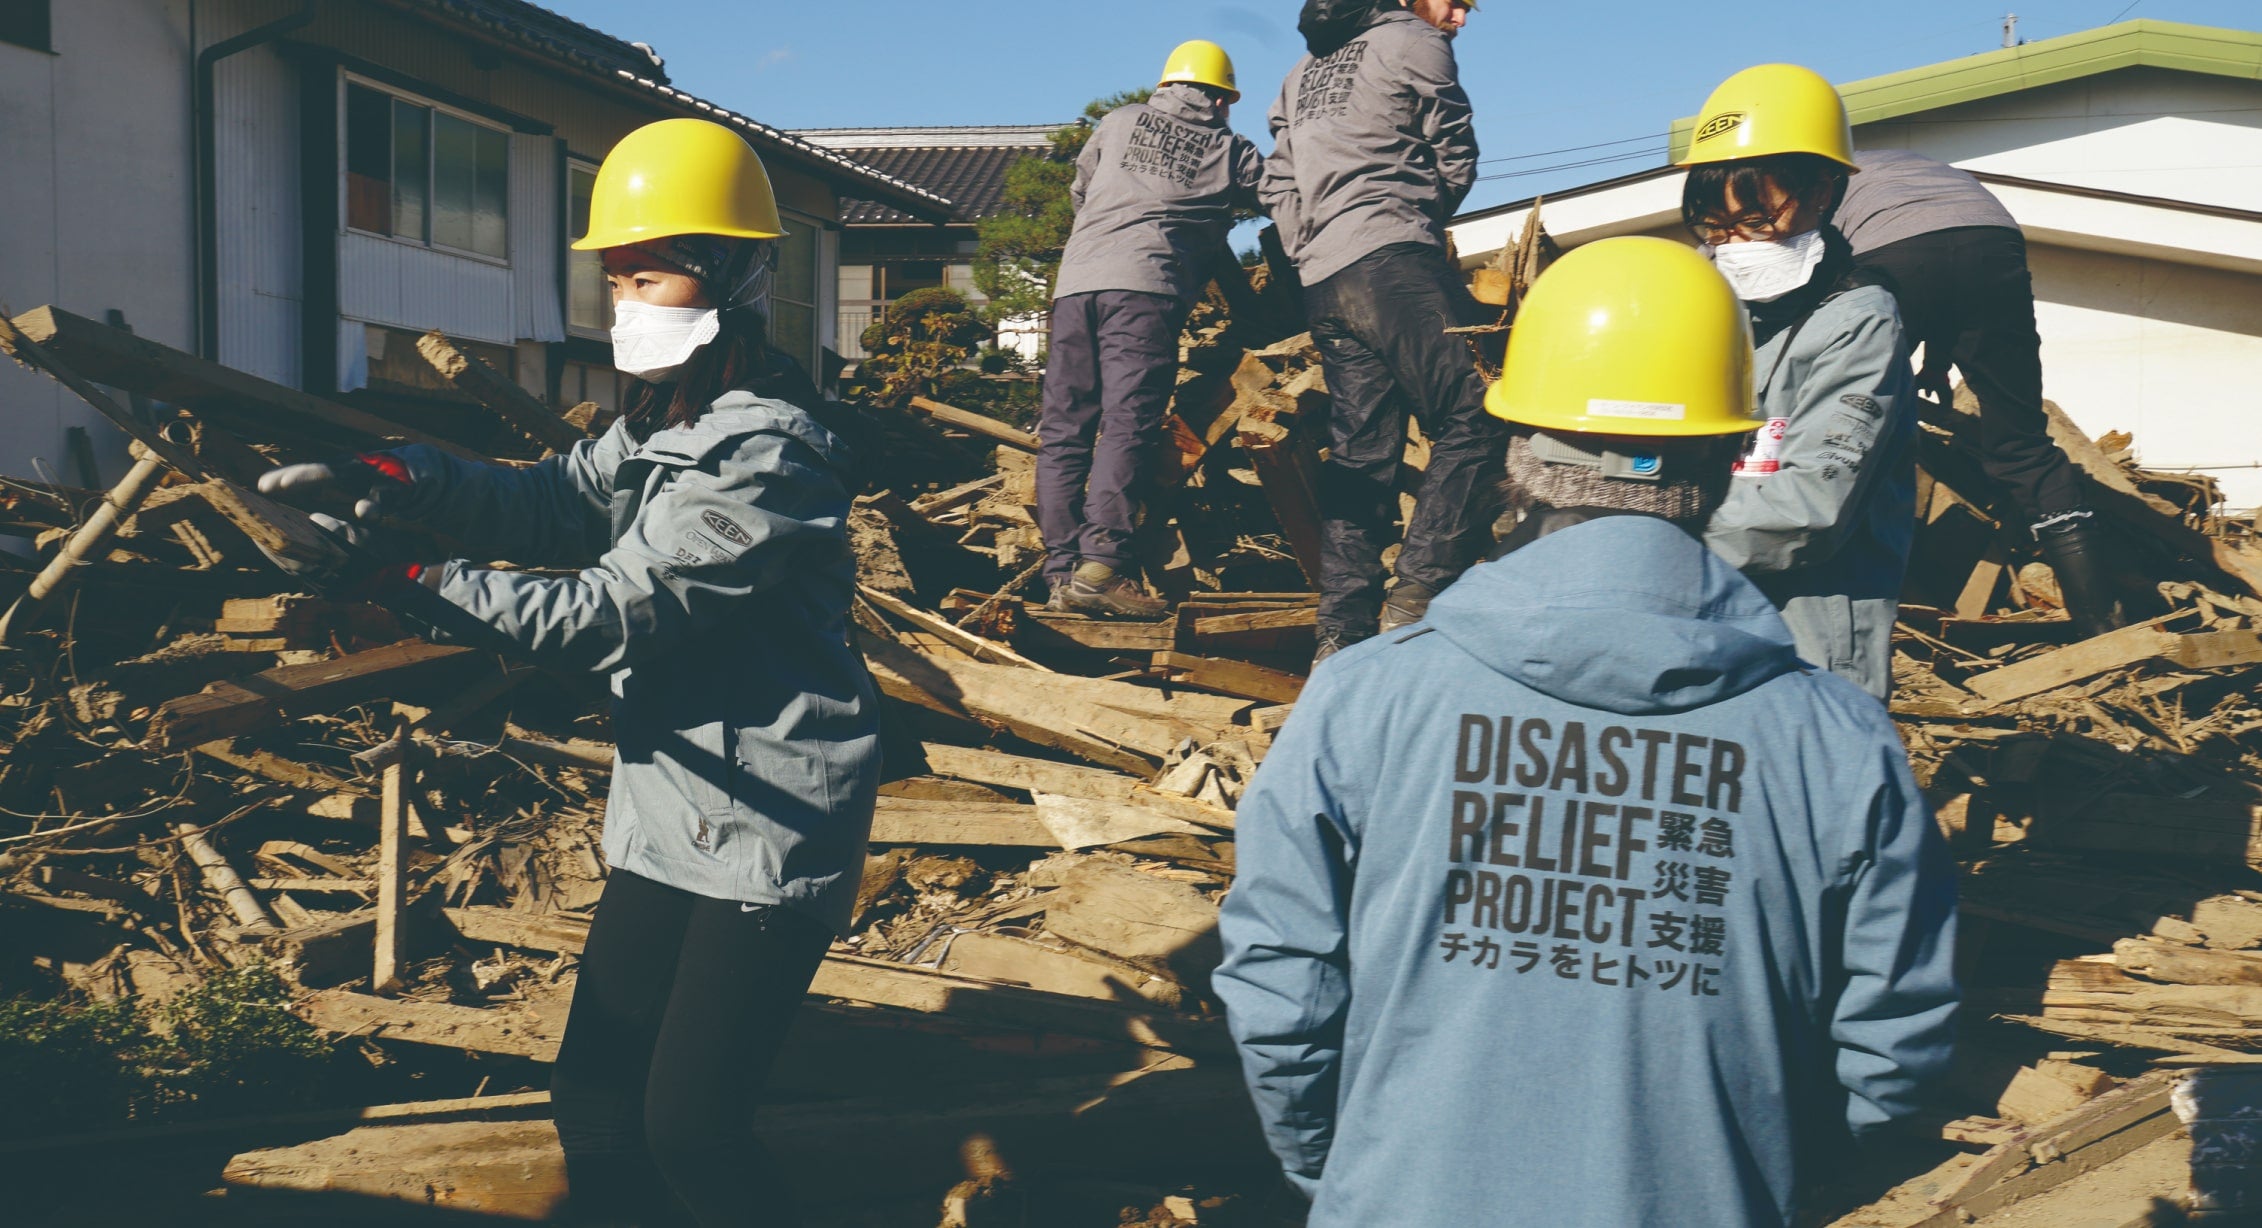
(1097, 590)
(1408, 604)
(1332, 640)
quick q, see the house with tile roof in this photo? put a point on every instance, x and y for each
(299, 188)
(2131, 156)
(886, 252)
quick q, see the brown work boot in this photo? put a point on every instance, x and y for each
(1408, 604)
(1097, 590)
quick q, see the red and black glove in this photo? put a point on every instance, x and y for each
(362, 483)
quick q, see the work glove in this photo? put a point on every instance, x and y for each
(372, 485)
(390, 568)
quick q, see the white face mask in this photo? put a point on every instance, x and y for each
(1763, 270)
(651, 343)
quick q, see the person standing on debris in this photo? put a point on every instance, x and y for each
(1957, 260)
(743, 789)
(1373, 150)
(1156, 189)
(1824, 507)
(1588, 902)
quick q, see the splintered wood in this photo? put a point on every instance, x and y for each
(414, 834)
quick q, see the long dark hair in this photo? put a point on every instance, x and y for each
(737, 357)
(1803, 177)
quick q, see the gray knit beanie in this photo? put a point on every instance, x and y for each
(1683, 481)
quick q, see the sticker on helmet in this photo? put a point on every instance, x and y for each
(1654, 411)
(1721, 125)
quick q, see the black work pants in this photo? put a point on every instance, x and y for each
(1110, 367)
(1380, 327)
(681, 1006)
(1967, 295)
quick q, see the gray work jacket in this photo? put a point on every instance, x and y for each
(1823, 507)
(748, 743)
(1155, 191)
(1372, 145)
(1900, 194)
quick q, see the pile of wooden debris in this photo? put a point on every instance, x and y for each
(203, 769)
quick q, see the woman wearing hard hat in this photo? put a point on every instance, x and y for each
(715, 512)
(1823, 508)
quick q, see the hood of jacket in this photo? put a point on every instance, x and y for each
(1187, 104)
(1626, 614)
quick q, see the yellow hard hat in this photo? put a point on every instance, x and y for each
(1201, 62)
(1772, 109)
(1629, 336)
(680, 177)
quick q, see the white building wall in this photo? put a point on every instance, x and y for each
(256, 105)
(2144, 131)
(95, 184)
(2170, 353)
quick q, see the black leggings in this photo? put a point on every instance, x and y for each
(681, 1007)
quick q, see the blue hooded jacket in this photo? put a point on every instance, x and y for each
(1584, 903)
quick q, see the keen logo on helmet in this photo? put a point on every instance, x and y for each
(1721, 125)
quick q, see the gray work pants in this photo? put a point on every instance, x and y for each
(1109, 372)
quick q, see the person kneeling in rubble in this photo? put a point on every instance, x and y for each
(1585, 901)
(715, 510)
(1823, 510)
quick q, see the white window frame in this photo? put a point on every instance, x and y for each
(566, 253)
(349, 78)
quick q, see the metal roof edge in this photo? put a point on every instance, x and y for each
(901, 193)
(1600, 185)
(2144, 43)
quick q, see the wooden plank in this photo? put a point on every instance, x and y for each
(977, 424)
(564, 933)
(515, 1032)
(2111, 1126)
(1228, 625)
(1087, 822)
(1169, 1116)
(956, 496)
(2182, 965)
(1040, 626)
(1068, 780)
(2075, 663)
(1013, 1008)
(1232, 677)
(120, 359)
(392, 868)
(2206, 830)
(230, 709)
(996, 824)
(1087, 730)
(1131, 915)
(519, 409)
(948, 632)
(1287, 468)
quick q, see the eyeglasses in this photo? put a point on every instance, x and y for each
(1756, 224)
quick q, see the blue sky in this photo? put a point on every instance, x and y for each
(1543, 77)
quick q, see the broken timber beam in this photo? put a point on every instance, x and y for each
(1231, 677)
(976, 424)
(392, 867)
(2115, 650)
(91, 538)
(519, 409)
(120, 359)
(1287, 467)
(230, 709)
